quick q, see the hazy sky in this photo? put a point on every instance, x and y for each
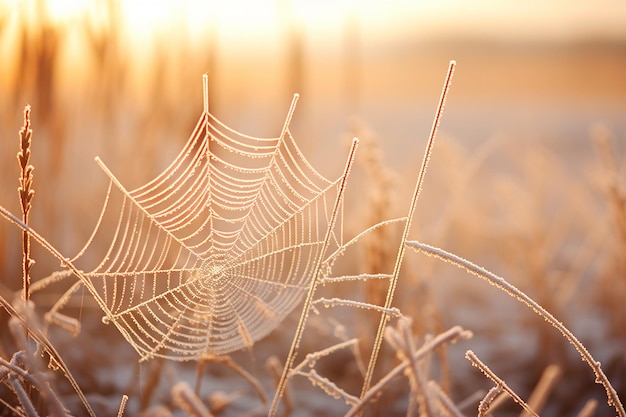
(240, 19)
(560, 19)
(519, 19)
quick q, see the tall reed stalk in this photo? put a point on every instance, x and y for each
(384, 319)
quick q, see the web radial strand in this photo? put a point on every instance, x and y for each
(213, 253)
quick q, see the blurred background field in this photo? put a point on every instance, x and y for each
(527, 179)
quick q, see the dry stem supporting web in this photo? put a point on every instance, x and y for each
(386, 310)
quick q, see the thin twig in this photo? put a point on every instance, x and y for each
(471, 356)
(23, 398)
(384, 319)
(227, 360)
(588, 409)
(420, 379)
(120, 411)
(273, 365)
(444, 401)
(338, 302)
(55, 357)
(449, 336)
(329, 387)
(540, 393)
(311, 359)
(491, 400)
(317, 278)
(184, 397)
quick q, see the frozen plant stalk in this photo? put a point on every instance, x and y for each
(26, 194)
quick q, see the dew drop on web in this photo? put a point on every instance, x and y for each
(53, 364)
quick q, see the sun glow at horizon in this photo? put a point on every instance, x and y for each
(246, 20)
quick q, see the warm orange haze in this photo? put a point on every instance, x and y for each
(527, 178)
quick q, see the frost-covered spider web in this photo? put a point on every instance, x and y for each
(214, 252)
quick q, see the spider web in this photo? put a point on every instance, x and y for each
(213, 253)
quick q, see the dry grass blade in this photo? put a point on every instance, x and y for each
(248, 377)
(55, 357)
(317, 278)
(312, 358)
(342, 248)
(542, 390)
(9, 407)
(274, 367)
(152, 381)
(589, 409)
(24, 399)
(360, 277)
(70, 324)
(601, 378)
(53, 251)
(471, 356)
(492, 400)
(401, 340)
(184, 397)
(449, 408)
(329, 387)
(15, 375)
(337, 302)
(419, 377)
(227, 361)
(449, 336)
(120, 411)
(401, 250)
(28, 369)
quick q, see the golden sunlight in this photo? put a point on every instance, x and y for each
(62, 11)
(241, 19)
(196, 255)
